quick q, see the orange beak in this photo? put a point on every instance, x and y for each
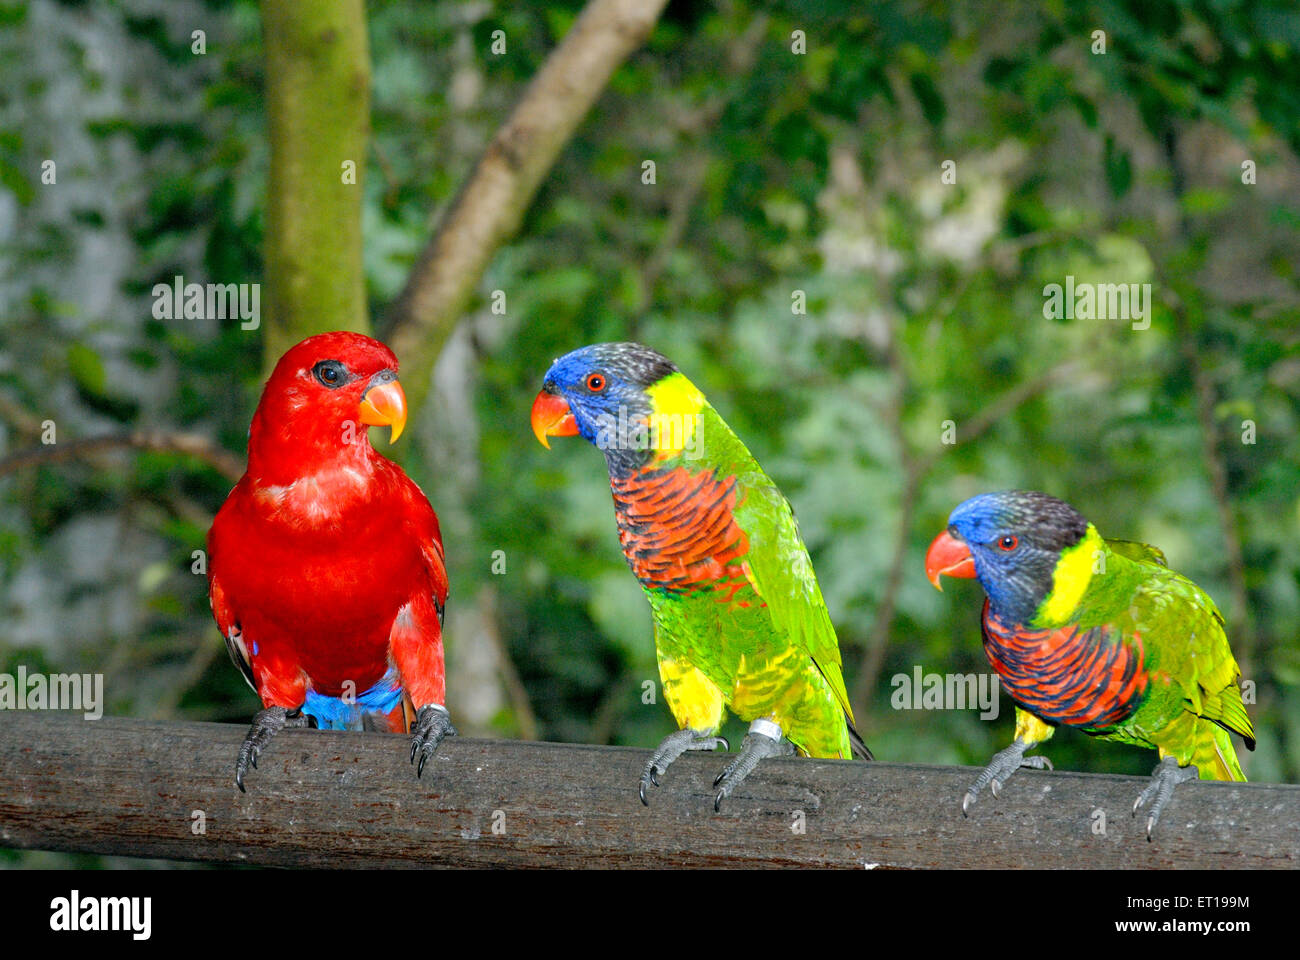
(384, 405)
(552, 418)
(948, 555)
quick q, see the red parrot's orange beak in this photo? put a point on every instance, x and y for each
(948, 555)
(552, 418)
(384, 405)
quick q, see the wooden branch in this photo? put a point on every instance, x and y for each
(491, 204)
(873, 654)
(1217, 471)
(132, 787)
(190, 444)
(1241, 621)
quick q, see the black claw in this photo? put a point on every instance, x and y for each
(424, 756)
(641, 791)
(726, 744)
(717, 801)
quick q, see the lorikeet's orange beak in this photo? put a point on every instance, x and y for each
(948, 555)
(552, 418)
(384, 405)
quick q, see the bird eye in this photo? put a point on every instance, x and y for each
(1008, 543)
(595, 382)
(330, 373)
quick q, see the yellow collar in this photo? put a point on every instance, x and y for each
(676, 405)
(1070, 579)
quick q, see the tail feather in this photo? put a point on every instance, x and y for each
(1215, 757)
(856, 743)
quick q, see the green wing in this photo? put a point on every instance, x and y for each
(778, 564)
(1188, 631)
(1141, 552)
(1183, 635)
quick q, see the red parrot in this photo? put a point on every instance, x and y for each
(326, 570)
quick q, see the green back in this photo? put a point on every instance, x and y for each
(793, 632)
(1182, 636)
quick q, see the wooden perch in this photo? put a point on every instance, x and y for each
(117, 786)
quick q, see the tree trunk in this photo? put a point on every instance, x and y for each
(318, 107)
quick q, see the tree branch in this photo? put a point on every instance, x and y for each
(190, 444)
(915, 470)
(1218, 475)
(491, 204)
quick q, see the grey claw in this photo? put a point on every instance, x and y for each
(669, 749)
(266, 724)
(966, 802)
(432, 725)
(757, 747)
(995, 787)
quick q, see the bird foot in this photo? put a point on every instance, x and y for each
(672, 747)
(266, 724)
(765, 739)
(432, 724)
(1167, 775)
(1000, 768)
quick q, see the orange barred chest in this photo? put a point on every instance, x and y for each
(679, 533)
(1071, 676)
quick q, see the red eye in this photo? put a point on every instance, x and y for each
(1008, 543)
(595, 382)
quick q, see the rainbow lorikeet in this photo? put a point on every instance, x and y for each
(739, 619)
(326, 573)
(1099, 635)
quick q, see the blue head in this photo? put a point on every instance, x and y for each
(602, 393)
(1013, 542)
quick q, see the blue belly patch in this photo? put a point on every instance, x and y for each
(335, 713)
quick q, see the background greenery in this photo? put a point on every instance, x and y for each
(775, 172)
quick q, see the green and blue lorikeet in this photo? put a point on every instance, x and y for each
(326, 572)
(1099, 635)
(739, 619)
